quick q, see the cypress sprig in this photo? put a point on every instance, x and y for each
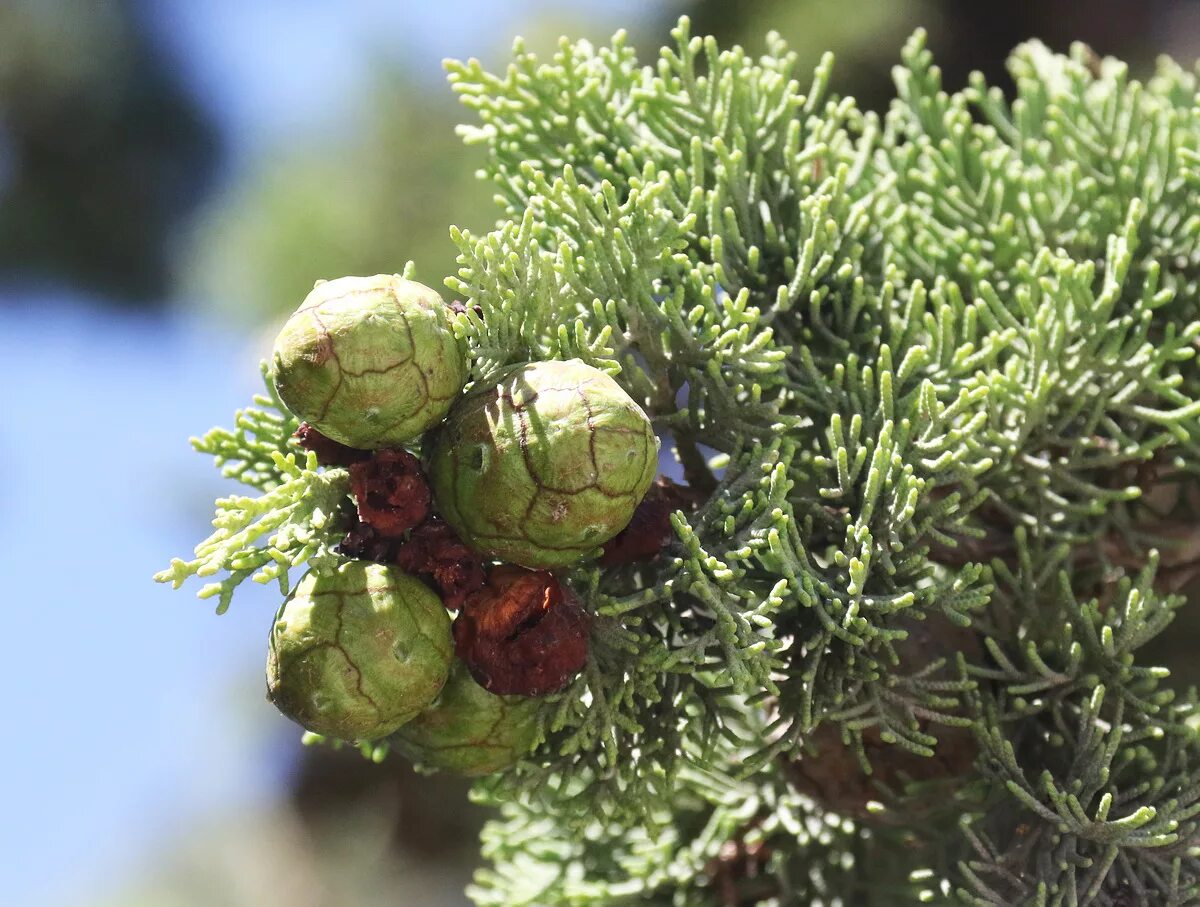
(263, 538)
(247, 452)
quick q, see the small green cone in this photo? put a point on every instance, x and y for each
(357, 652)
(545, 466)
(369, 361)
(468, 730)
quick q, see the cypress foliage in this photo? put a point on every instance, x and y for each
(935, 373)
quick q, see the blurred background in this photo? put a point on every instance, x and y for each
(174, 176)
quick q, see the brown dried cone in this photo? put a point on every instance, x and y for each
(522, 633)
(832, 775)
(390, 491)
(363, 542)
(650, 528)
(329, 452)
(433, 552)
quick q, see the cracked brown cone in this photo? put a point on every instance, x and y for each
(369, 362)
(544, 466)
(358, 651)
(522, 633)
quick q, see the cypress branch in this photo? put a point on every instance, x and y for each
(933, 378)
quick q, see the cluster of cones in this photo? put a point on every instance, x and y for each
(518, 631)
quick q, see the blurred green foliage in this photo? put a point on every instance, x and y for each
(968, 36)
(361, 201)
(101, 150)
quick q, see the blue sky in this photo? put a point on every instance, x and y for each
(115, 686)
(276, 67)
(133, 711)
